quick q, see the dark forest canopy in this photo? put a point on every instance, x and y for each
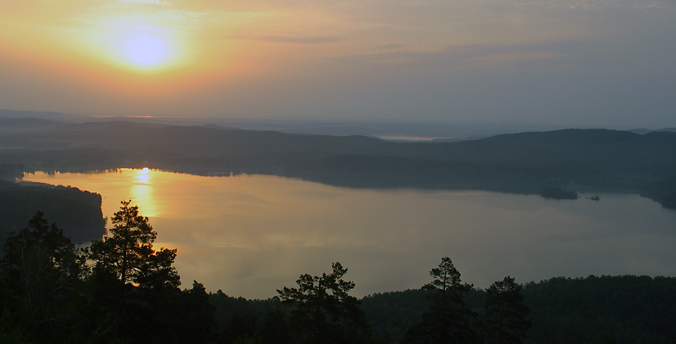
(593, 309)
(584, 160)
(78, 212)
(123, 290)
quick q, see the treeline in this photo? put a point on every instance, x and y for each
(558, 193)
(590, 310)
(605, 309)
(121, 289)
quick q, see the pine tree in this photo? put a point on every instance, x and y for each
(506, 314)
(130, 278)
(127, 252)
(448, 319)
(324, 311)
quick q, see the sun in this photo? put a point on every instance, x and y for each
(139, 45)
(143, 176)
(145, 48)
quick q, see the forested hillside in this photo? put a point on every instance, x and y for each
(590, 160)
(78, 212)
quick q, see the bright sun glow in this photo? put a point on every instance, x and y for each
(145, 48)
(143, 176)
(139, 43)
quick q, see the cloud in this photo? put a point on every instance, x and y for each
(299, 40)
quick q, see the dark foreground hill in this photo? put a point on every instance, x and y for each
(585, 160)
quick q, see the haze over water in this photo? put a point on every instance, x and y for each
(250, 235)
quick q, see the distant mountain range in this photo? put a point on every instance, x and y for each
(584, 160)
(404, 131)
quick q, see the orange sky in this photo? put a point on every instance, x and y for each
(448, 60)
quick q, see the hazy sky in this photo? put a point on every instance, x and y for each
(608, 63)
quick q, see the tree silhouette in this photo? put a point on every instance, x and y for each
(197, 321)
(127, 252)
(130, 276)
(324, 311)
(506, 314)
(448, 319)
(43, 269)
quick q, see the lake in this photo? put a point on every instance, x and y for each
(249, 235)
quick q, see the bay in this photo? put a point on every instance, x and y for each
(249, 235)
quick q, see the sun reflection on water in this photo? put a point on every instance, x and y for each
(143, 192)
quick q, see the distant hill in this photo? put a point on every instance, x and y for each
(54, 116)
(645, 131)
(28, 122)
(579, 160)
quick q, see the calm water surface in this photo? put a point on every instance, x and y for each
(251, 235)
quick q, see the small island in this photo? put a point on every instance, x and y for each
(558, 193)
